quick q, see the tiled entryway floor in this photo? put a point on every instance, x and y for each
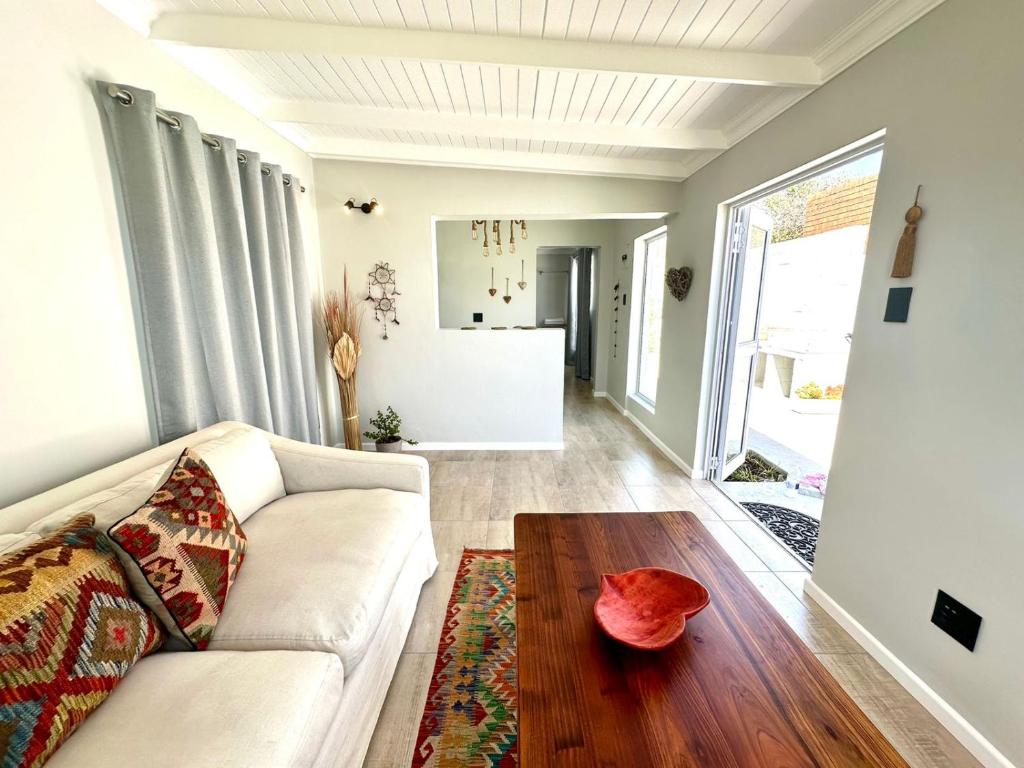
(609, 466)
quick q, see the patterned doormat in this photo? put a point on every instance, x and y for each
(797, 531)
(469, 720)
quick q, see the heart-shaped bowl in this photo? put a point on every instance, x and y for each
(647, 608)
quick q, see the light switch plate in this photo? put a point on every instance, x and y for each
(897, 308)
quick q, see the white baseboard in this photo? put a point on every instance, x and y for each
(669, 453)
(941, 710)
(612, 400)
(552, 446)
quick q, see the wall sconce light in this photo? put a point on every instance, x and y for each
(371, 207)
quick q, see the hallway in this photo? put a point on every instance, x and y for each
(608, 465)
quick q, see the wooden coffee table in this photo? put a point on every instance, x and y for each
(739, 689)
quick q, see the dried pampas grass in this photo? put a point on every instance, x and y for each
(342, 321)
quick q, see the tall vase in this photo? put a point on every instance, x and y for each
(350, 413)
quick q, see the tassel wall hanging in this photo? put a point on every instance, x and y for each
(522, 275)
(508, 296)
(903, 265)
(492, 290)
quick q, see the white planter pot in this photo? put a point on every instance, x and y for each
(815, 407)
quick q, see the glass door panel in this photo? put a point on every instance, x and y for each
(745, 276)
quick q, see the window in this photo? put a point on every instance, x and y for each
(652, 294)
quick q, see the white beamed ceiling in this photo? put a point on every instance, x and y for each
(639, 88)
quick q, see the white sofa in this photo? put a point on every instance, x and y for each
(313, 627)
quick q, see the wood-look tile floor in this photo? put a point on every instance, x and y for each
(610, 466)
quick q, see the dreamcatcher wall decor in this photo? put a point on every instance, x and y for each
(381, 290)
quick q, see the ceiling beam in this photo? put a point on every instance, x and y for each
(455, 157)
(263, 34)
(333, 113)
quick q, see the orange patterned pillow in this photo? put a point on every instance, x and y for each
(69, 632)
(182, 550)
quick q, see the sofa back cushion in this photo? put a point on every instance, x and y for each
(70, 631)
(246, 469)
(242, 461)
(182, 550)
(12, 541)
(20, 515)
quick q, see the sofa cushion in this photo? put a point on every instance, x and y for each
(12, 541)
(69, 632)
(319, 571)
(213, 710)
(246, 469)
(242, 461)
(182, 550)
(110, 505)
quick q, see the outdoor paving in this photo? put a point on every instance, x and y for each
(807, 449)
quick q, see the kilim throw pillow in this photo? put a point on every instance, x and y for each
(182, 550)
(69, 631)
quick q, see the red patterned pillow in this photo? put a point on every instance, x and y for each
(69, 631)
(182, 550)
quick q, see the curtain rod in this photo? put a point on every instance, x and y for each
(127, 99)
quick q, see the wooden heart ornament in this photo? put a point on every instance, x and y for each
(678, 280)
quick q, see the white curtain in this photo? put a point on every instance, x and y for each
(223, 299)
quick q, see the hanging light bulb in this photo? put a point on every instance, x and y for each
(511, 237)
(487, 249)
(474, 230)
(524, 229)
(497, 235)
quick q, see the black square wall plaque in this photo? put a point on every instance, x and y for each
(897, 308)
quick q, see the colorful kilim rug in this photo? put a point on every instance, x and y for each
(469, 720)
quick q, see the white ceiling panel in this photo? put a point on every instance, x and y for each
(564, 102)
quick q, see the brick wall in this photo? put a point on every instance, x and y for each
(847, 205)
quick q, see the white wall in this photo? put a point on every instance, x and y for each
(923, 492)
(464, 275)
(71, 390)
(405, 371)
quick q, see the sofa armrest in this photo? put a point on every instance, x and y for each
(306, 467)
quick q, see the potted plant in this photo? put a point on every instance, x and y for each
(812, 399)
(387, 431)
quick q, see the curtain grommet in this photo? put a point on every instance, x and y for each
(243, 158)
(123, 97)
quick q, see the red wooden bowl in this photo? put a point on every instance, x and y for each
(647, 608)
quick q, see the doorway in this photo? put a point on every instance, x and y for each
(790, 283)
(566, 299)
